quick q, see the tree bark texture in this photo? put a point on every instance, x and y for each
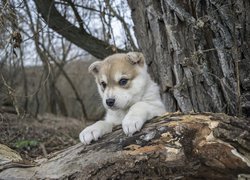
(198, 51)
(174, 146)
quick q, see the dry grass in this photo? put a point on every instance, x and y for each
(34, 138)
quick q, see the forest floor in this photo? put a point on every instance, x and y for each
(37, 137)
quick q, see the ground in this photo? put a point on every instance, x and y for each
(37, 137)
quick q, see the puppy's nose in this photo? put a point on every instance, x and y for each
(110, 102)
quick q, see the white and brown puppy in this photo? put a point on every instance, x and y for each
(128, 94)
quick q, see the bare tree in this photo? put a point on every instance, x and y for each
(10, 40)
(77, 35)
(48, 53)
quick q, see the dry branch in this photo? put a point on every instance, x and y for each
(78, 36)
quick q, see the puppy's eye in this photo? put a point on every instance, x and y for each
(103, 84)
(123, 82)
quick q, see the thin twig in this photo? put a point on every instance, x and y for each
(42, 146)
(11, 93)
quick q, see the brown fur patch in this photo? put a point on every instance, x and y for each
(113, 65)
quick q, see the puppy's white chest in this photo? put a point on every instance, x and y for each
(115, 117)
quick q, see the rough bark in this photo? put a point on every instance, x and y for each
(174, 146)
(78, 36)
(198, 51)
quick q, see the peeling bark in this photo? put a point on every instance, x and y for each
(174, 146)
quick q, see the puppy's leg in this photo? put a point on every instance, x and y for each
(138, 114)
(95, 131)
(100, 128)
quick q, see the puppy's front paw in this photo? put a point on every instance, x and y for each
(132, 124)
(94, 132)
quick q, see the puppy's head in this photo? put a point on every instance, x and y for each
(121, 79)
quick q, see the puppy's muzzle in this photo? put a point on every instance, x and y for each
(110, 102)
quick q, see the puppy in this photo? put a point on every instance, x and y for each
(128, 93)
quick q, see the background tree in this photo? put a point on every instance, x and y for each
(43, 56)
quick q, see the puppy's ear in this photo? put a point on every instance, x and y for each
(136, 58)
(95, 67)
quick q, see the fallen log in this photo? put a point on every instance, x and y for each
(174, 146)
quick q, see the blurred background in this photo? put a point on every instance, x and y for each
(41, 71)
(47, 95)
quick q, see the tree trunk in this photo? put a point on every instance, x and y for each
(174, 146)
(198, 51)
